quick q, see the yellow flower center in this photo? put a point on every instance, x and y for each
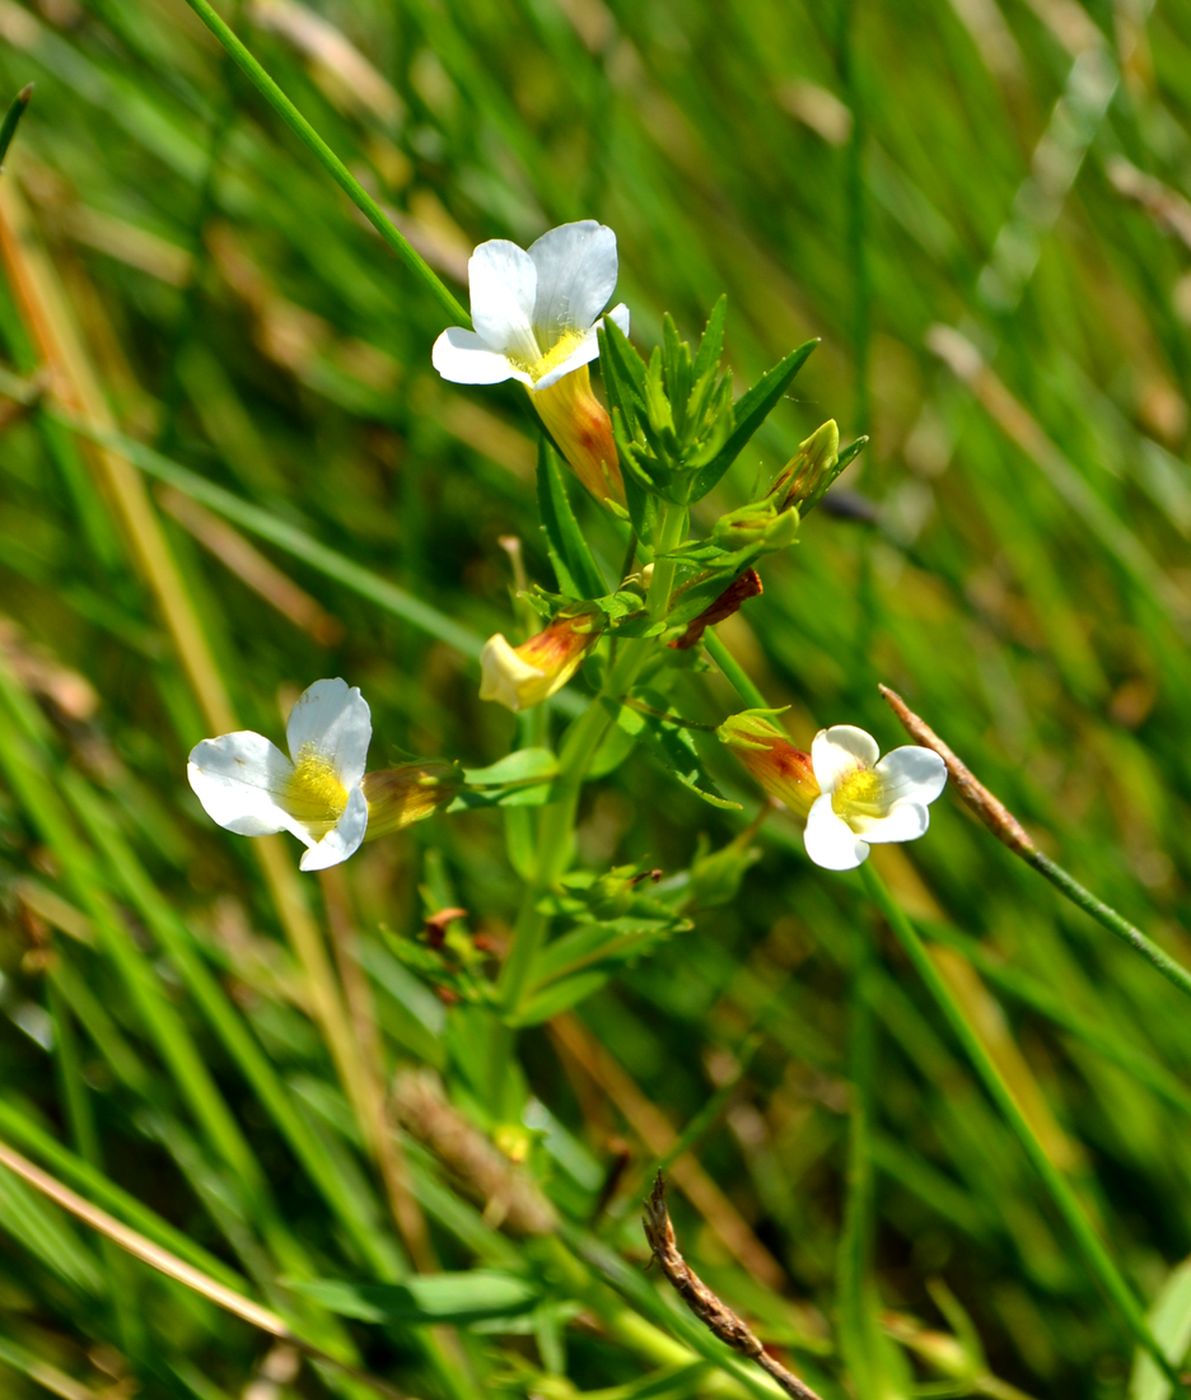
(565, 345)
(860, 792)
(314, 795)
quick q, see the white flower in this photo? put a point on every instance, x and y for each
(535, 313)
(248, 786)
(864, 801)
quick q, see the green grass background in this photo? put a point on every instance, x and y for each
(978, 207)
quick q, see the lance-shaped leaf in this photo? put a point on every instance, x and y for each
(520, 779)
(711, 347)
(672, 748)
(750, 412)
(575, 567)
(583, 959)
(427, 1299)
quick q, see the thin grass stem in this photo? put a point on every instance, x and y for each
(1099, 1262)
(330, 162)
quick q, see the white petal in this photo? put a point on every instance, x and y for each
(912, 773)
(829, 840)
(576, 266)
(238, 778)
(343, 839)
(840, 750)
(463, 358)
(905, 821)
(334, 719)
(587, 350)
(503, 283)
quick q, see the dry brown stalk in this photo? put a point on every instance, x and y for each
(144, 1249)
(650, 1124)
(712, 1311)
(510, 1197)
(991, 810)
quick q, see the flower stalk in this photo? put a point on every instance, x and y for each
(575, 755)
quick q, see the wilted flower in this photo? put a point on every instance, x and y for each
(782, 770)
(536, 314)
(398, 797)
(865, 801)
(523, 676)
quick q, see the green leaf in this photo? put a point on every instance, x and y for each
(574, 564)
(673, 749)
(623, 368)
(1170, 1322)
(534, 765)
(711, 347)
(615, 607)
(427, 1299)
(559, 996)
(678, 368)
(581, 961)
(751, 411)
(520, 779)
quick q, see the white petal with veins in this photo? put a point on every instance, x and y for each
(503, 283)
(462, 357)
(912, 773)
(332, 718)
(239, 779)
(840, 750)
(576, 274)
(905, 821)
(829, 840)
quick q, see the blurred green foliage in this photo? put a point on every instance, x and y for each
(979, 208)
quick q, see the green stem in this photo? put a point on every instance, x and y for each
(578, 749)
(72, 1087)
(330, 162)
(859, 1328)
(1108, 917)
(1096, 1257)
(733, 672)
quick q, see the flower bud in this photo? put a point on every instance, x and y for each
(398, 797)
(757, 525)
(807, 475)
(520, 677)
(579, 424)
(782, 770)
